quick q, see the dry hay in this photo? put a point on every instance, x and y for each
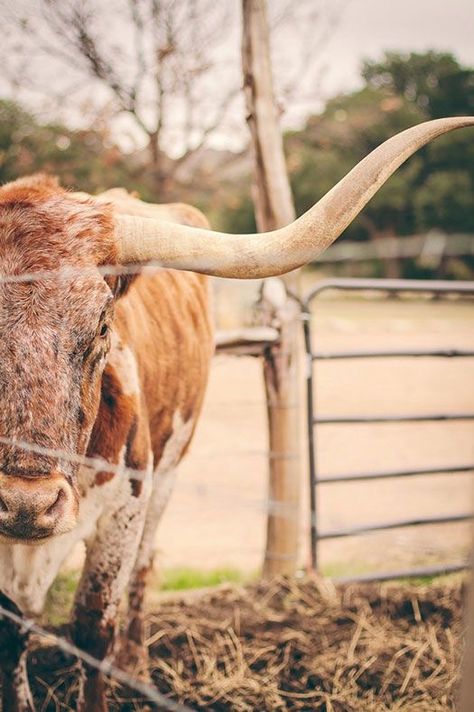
(294, 645)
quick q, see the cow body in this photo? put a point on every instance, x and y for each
(133, 400)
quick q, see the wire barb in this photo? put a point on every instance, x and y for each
(104, 666)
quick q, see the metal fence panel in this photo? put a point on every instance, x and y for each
(388, 286)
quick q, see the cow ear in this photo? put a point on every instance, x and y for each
(120, 284)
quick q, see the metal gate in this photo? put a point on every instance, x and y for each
(389, 286)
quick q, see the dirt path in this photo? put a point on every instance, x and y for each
(217, 517)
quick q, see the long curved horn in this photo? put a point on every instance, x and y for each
(267, 254)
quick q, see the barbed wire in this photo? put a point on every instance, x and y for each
(277, 508)
(103, 666)
(431, 244)
(71, 272)
(98, 463)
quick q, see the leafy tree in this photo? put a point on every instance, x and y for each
(434, 81)
(166, 71)
(331, 144)
(85, 160)
(434, 188)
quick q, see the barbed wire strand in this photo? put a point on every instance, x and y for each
(97, 464)
(70, 272)
(102, 666)
(343, 252)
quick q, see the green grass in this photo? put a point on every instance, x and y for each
(181, 579)
(435, 580)
(341, 569)
(61, 594)
(60, 598)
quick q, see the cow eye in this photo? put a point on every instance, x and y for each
(104, 330)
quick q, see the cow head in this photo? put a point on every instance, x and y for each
(54, 339)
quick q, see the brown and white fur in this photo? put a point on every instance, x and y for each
(104, 366)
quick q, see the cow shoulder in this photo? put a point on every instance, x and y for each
(120, 434)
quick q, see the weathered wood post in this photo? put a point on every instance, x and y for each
(273, 209)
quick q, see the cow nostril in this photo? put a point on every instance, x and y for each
(3, 507)
(57, 504)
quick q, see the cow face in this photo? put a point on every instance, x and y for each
(54, 339)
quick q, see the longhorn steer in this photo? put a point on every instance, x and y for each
(97, 364)
(109, 366)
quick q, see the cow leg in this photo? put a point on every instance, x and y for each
(16, 694)
(133, 653)
(109, 563)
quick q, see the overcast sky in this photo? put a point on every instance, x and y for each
(368, 27)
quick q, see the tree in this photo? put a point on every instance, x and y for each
(86, 160)
(165, 71)
(148, 60)
(434, 81)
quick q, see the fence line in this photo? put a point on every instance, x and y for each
(263, 505)
(413, 246)
(434, 245)
(69, 272)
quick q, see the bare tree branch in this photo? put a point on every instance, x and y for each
(165, 64)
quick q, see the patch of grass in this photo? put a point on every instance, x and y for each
(181, 579)
(335, 570)
(60, 598)
(457, 577)
(61, 594)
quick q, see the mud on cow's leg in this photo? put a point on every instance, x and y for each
(16, 694)
(109, 563)
(132, 653)
(94, 634)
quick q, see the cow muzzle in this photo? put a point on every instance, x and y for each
(36, 508)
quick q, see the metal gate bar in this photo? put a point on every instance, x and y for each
(401, 353)
(393, 286)
(420, 572)
(361, 476)
(410, 418)
(397, 524)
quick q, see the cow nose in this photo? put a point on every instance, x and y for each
(32, 508)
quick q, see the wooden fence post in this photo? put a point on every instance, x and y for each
(273, 209)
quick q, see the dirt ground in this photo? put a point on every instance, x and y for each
(291, 645)
(217, 514)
